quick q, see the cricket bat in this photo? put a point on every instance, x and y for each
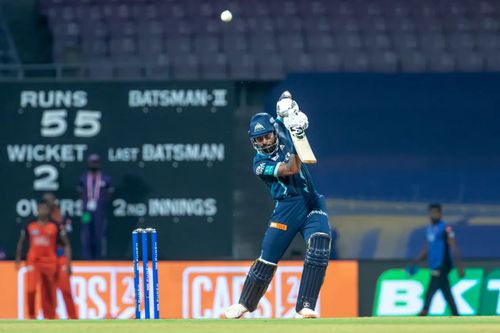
(303, 147)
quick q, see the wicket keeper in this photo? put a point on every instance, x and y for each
(299, 209)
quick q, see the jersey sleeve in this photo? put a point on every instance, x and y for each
(285, 135)
(266, 168)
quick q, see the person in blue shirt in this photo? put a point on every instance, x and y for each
(439, 249)
(298, 209)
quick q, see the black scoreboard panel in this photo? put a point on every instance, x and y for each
(166, 146)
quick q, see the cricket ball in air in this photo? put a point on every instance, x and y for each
(226, 16)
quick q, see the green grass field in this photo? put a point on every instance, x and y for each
(353, 325)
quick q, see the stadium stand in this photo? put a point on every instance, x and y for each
(268, 39)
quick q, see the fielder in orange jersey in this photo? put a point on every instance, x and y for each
(43, 236)
(63, 278)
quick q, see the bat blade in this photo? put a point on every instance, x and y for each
(303, 148)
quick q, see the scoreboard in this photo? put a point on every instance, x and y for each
(166, 146)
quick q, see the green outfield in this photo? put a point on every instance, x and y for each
(354, 325)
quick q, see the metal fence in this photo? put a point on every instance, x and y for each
(82, 71)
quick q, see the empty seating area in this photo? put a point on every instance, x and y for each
(184, 39)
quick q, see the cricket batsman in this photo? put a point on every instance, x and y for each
(299, 208)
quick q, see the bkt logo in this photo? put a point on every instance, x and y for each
(208, 290)
(398, 294)
(98, 292)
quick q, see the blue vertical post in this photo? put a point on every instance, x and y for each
(154, 260)
(145, 273)
(135, 258)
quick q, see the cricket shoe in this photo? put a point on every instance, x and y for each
(306, 313)
(235, 311)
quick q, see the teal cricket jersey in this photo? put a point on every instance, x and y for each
(266, 167)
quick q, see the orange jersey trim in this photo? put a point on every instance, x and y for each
(279, 226)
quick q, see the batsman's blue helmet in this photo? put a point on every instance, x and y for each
(260, 125)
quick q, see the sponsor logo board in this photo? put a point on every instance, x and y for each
(398, 294)
(200, 289)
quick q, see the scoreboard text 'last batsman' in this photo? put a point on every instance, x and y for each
(169, 152)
